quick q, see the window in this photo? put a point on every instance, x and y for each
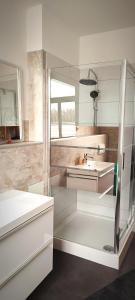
(68, 118)
(61, 89)
(54, 121)
(62, 109)
(62, 119)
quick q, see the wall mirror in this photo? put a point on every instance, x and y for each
(10, 103)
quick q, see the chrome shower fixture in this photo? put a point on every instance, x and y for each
(94, 94)
(88, 80)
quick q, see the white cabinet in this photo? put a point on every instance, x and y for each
(26, 242)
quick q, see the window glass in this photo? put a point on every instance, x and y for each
(61, 89)
(68, 118)
(54, 121)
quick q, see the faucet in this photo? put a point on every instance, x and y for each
(88, 156)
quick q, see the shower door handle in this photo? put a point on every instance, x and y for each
(123, 161)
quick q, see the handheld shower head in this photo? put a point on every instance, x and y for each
(94, 94)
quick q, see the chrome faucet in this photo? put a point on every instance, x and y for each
(88, 156)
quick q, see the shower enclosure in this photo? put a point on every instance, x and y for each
(92, 164)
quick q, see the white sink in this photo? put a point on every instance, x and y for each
(91, 165)
(95, 168)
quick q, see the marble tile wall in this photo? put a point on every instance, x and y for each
(35, 95)
(38, 112)
(112, 141)
(63, 156)
(83, 130)
(112, 138)
(21, 166)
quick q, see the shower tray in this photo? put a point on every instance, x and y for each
(73, 236)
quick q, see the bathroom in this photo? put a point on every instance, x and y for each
(68, 144)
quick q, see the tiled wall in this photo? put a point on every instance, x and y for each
(35, 94)
(63, 156)
(21, 166)
(130, 100)
(83, 130)
(112, 141)
(112, 134)
(108, 99)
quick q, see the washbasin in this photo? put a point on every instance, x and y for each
(95, 168)
(96, 177)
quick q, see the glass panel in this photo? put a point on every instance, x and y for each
(127, 171)
(54, 121)
(132, 175)
(68, 119)
(84, 198)
(84, 168)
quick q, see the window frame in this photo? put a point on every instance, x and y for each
(59, 101)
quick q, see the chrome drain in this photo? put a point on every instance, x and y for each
(109, 248)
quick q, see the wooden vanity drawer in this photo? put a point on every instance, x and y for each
(82, 184)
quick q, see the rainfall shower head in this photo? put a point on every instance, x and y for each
(88, 80)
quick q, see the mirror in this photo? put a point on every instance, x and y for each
(10, 103)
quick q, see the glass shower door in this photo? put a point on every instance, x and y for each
(125, 196)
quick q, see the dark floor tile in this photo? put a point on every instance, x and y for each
(74, 278)
(123, 288)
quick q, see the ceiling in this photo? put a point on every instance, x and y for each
(92, 16)
(7, 69)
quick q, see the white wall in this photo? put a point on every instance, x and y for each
(106, 46)
(13, 36)
(58, 39)
(34, 28)
(12, 32)
(46, 31)
(108, 98)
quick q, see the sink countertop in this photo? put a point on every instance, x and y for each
(16, 207)
(84, 169)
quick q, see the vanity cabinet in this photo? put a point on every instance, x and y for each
(82, 183)
(99, 180)
(26, 242)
